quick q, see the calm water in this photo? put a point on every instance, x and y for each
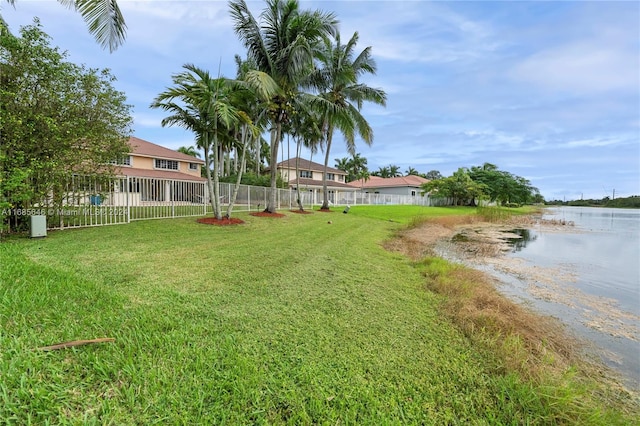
(598, 274)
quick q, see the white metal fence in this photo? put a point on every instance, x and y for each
(88, 201)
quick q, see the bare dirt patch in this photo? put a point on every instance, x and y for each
(298, 211)
(220, 222)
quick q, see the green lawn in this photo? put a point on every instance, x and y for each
(277, 321)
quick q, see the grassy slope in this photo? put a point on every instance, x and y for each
(290, 320)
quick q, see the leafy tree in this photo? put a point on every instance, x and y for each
(433, 175)
(343, 96)
(57, 119)
(502, 186)
(459, 187)
(103, 17)
(282, 46)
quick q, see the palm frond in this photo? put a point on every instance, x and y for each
(104, 19)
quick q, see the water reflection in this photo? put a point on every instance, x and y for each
(597, 260)
(524, 237)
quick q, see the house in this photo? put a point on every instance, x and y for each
(403, 185)
(309, 179)
(151, 173)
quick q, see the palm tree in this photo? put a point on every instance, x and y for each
(382, 172)
(103, 17)
(205, 105)
(189, 150)
(358, 168)
(281, 45)
(209, 110)
(411, 172)
(254, 89)
(305, 131)
(343, 164)
(394, 171)
(343, 96)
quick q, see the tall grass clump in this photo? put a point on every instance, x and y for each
(497, 214)
(494, 214)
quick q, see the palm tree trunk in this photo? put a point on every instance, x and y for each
(216, 175)
(325, 194)
(258, 154)
(275, 139)
(298, 199)
(236, 187)
(207, 166)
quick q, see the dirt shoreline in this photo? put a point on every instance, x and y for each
(482, 246)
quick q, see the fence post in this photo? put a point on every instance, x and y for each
(172, 196)
(126, 194)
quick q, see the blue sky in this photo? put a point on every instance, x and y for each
(549, 91)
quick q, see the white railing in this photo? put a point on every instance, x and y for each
(88, 201)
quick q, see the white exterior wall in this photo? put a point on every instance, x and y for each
(403, 190)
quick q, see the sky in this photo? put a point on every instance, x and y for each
(546, 90)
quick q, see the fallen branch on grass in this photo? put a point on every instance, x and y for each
(74, 343)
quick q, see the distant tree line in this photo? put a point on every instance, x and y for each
(464, 187)
(624, 202)
(356, 168)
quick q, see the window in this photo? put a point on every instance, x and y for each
(306, 174)
(166, 164)
(331, 176)
(193, 166)
(341, 178)
(413, 193)
(124, 161)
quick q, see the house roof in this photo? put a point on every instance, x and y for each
(147, 149)
(395, 182)
(157, 174)
(308, 165)
(318, 184)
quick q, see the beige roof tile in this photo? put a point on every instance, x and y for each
(148, 149)
(308, 165)
(378, 182)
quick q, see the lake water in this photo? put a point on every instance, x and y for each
(592, 282)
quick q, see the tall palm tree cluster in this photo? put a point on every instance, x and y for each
(316, 76)
(298, 79)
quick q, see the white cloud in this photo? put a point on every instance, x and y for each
(581, 67)
(595, 142)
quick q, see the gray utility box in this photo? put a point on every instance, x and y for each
(38, 226)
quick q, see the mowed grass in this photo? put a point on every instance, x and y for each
(277, 321)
